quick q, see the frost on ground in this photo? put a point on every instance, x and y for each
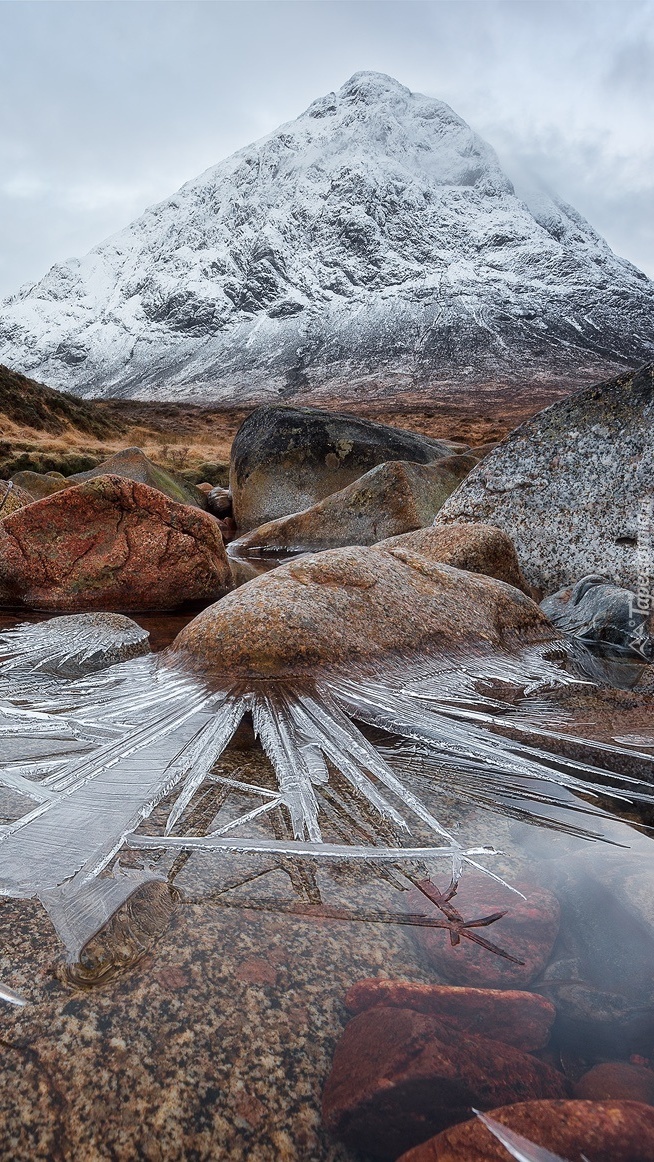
(112, 745)
(373, 242)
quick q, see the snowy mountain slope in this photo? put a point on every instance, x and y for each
(373, 241)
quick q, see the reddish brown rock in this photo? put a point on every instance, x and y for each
(355, 605)
(618, 1080)
(12, 497)
(110, 544)
(607, 1131)
(516, 1018)
(527, 932)
(479, 548)
(398, 1077)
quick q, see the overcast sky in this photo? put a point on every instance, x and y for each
(106, 107)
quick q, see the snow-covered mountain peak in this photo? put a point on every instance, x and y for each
(375, 240)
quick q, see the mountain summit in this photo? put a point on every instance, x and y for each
(373, 245)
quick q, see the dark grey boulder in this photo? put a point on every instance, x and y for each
(597, 611)
(285, 459)
(573, 487)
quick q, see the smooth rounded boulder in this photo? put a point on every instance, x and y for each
(479, 548)
(398, 1077)
(285, 459)
(604, 1131)
(110, 544)
(133, 464)
(355, 606)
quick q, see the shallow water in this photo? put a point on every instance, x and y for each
(202, 1021)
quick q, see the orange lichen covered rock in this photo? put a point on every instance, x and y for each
(480, 548)
(356, 605)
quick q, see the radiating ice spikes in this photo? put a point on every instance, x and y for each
(460, 734)
(335, 723)
(202, 753)
(273, 725)
(518, 1147)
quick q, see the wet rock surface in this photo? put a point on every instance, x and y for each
(571, 485)
(110, 544)
(597, 611)
(398, 1077)
(286, 459)
(517, 1018)
(617, 1080)
(392, 498)
(219, 502)
(604, 1131)
(527, 932)
(478, 548)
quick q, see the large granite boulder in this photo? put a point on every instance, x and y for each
(355, 605)
(605, 1131)
(110, 544)
(133, 464)
(285, 459)
(573, 486)
(395, 497)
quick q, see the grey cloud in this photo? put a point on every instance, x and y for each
(108, 107)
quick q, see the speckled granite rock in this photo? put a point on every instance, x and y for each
(527, 932)
(215, 1044)
(570, 485)
(392, 498)
(285, 459)
(398, 1077)
(612, 1131)
(478, 548)
(110, 544)
(516, 1018)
